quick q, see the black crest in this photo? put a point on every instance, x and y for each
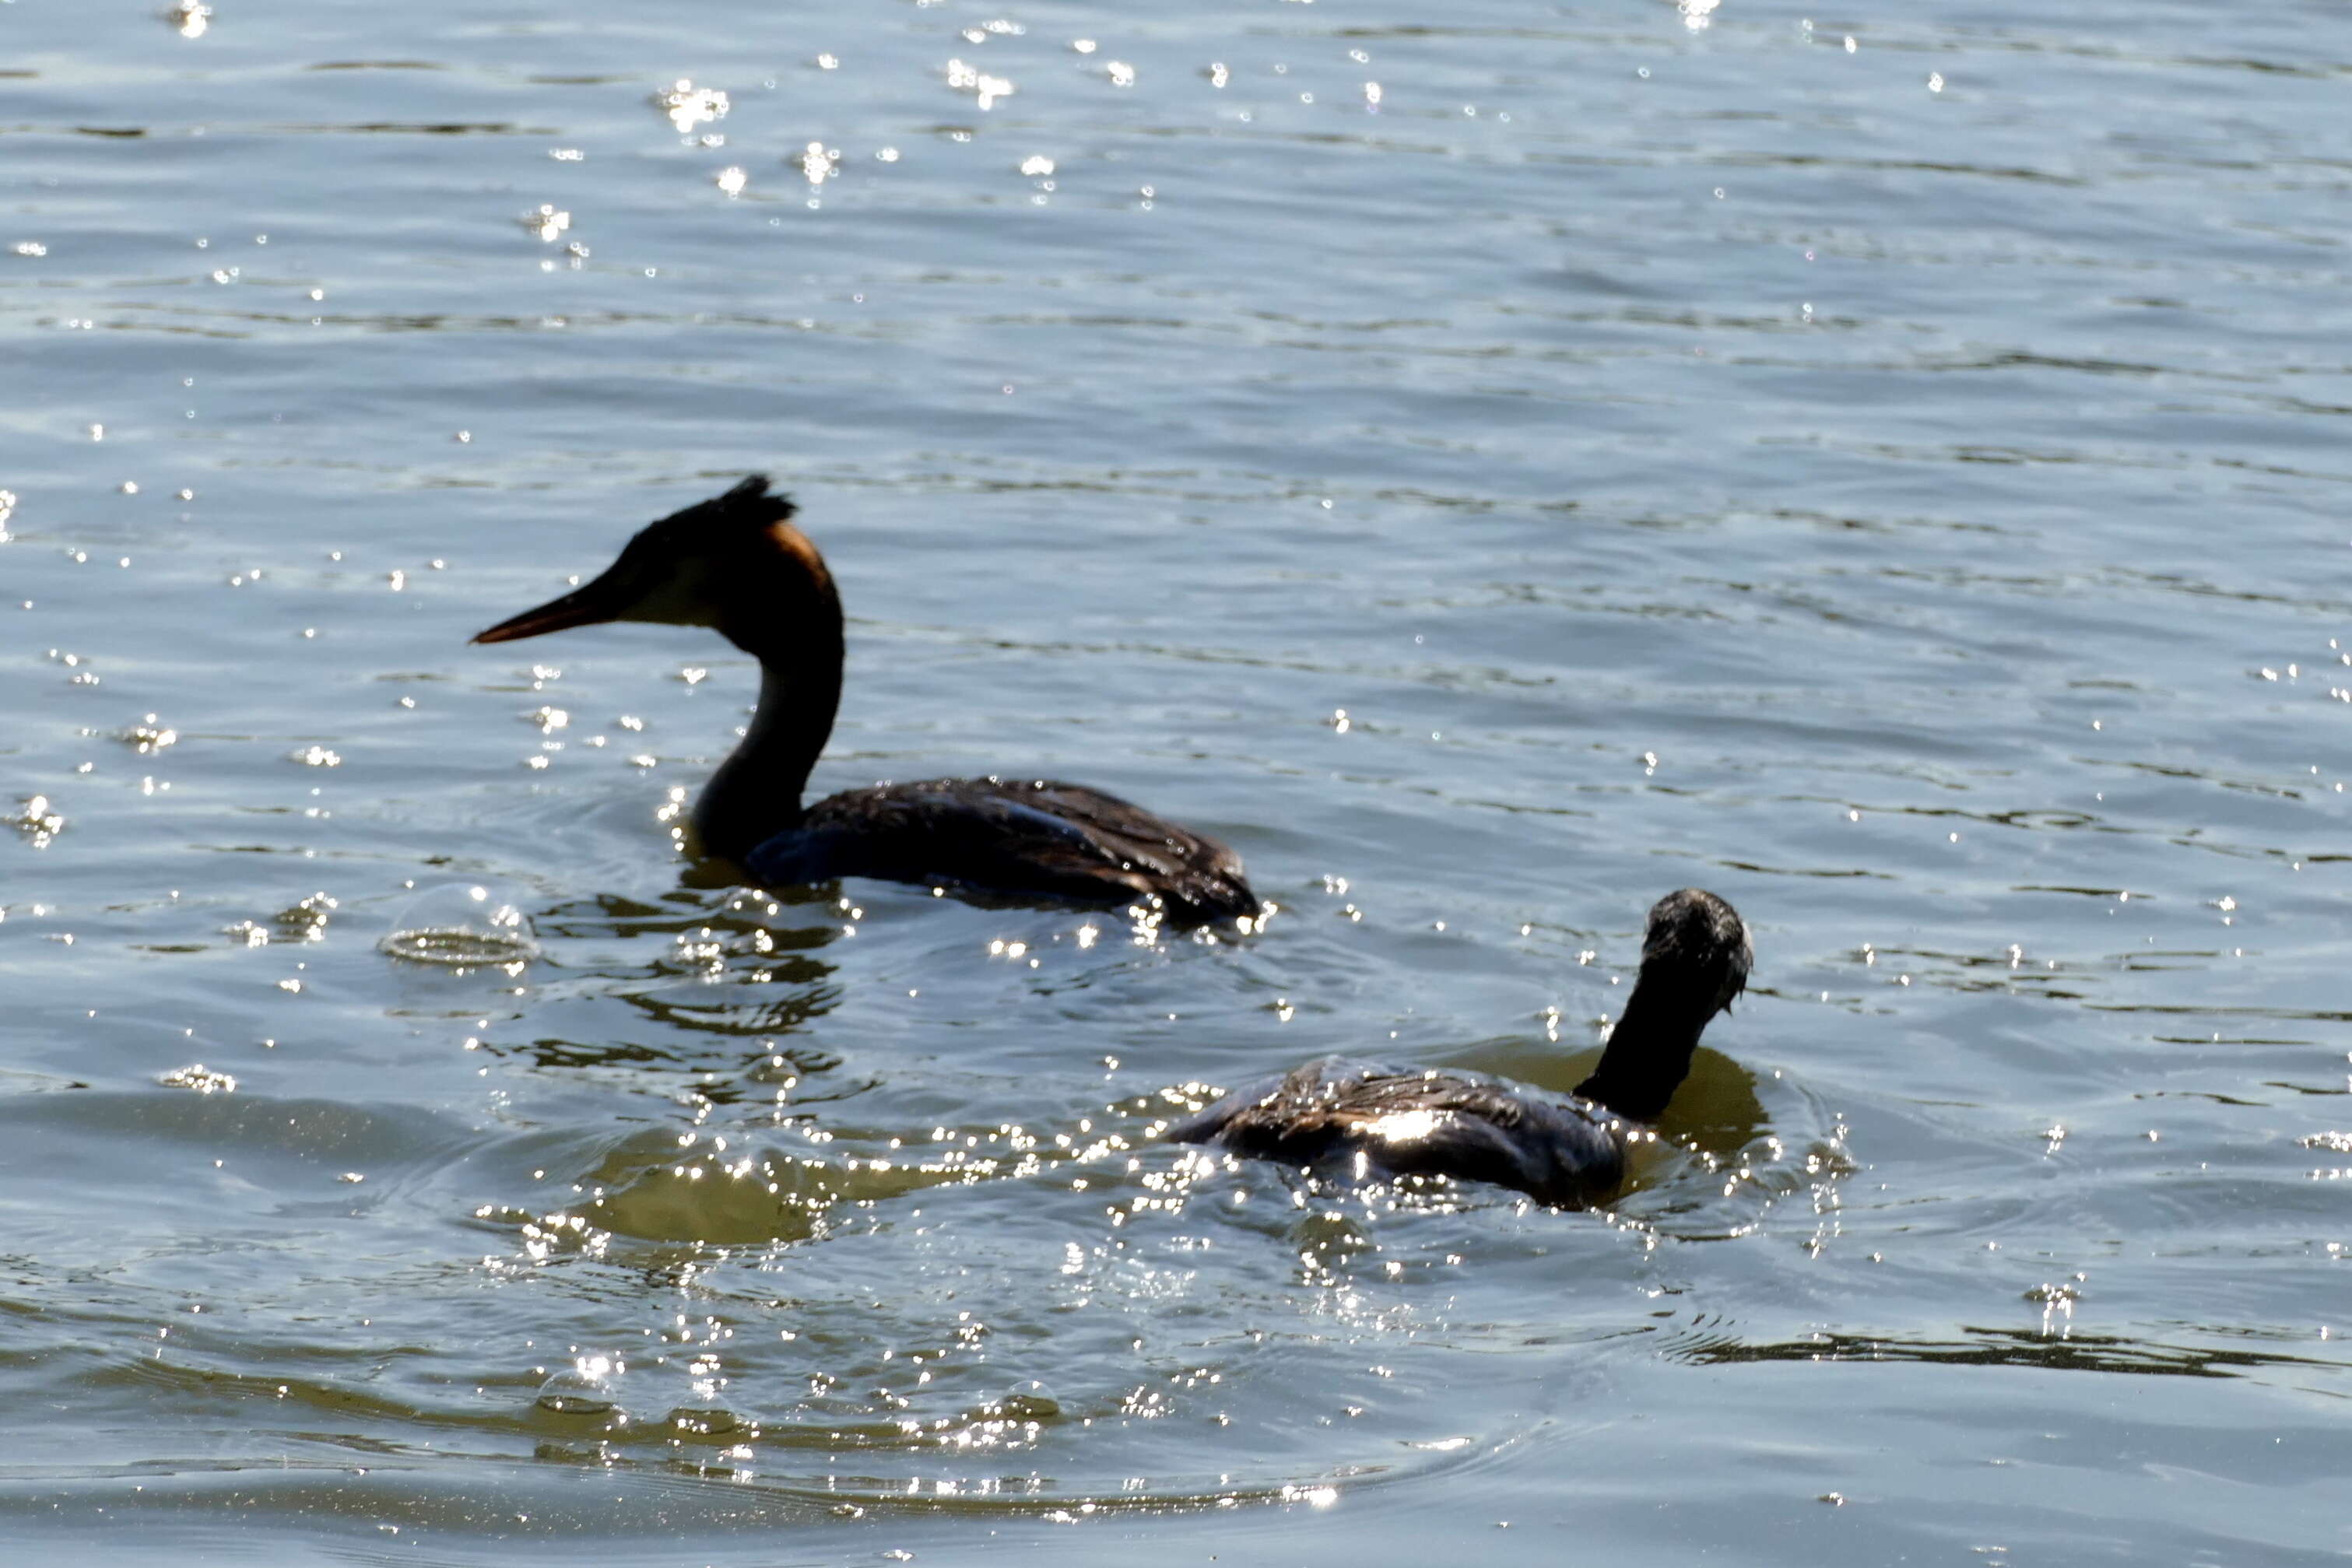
(749, 504)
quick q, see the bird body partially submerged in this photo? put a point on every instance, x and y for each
(1373, 1122)
(737, 565)
(1035, 837)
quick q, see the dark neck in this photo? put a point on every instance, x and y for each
(756, 792)
(1650, 1050)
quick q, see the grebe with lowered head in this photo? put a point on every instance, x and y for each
(736, 564)
(1385, 1122)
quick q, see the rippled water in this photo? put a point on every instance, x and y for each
(1491, 465)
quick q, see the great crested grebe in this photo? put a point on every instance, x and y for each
(736, 564)
(1376, 1122)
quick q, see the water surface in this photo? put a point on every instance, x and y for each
(1492, 465)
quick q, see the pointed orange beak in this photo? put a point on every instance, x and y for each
(590, 604)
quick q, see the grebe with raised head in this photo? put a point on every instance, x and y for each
(1376, 1122)
(736, 564)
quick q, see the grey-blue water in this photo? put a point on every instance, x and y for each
(1492, 463)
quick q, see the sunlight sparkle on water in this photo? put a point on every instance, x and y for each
(688, 105)
(200, 1078)
(819, 162)
(37, 821)
(985, 88)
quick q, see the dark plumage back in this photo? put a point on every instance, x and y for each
(1392, 1122)
(1019, 836)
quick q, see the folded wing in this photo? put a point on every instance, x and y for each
(1388, 1122)
(1022, 838)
